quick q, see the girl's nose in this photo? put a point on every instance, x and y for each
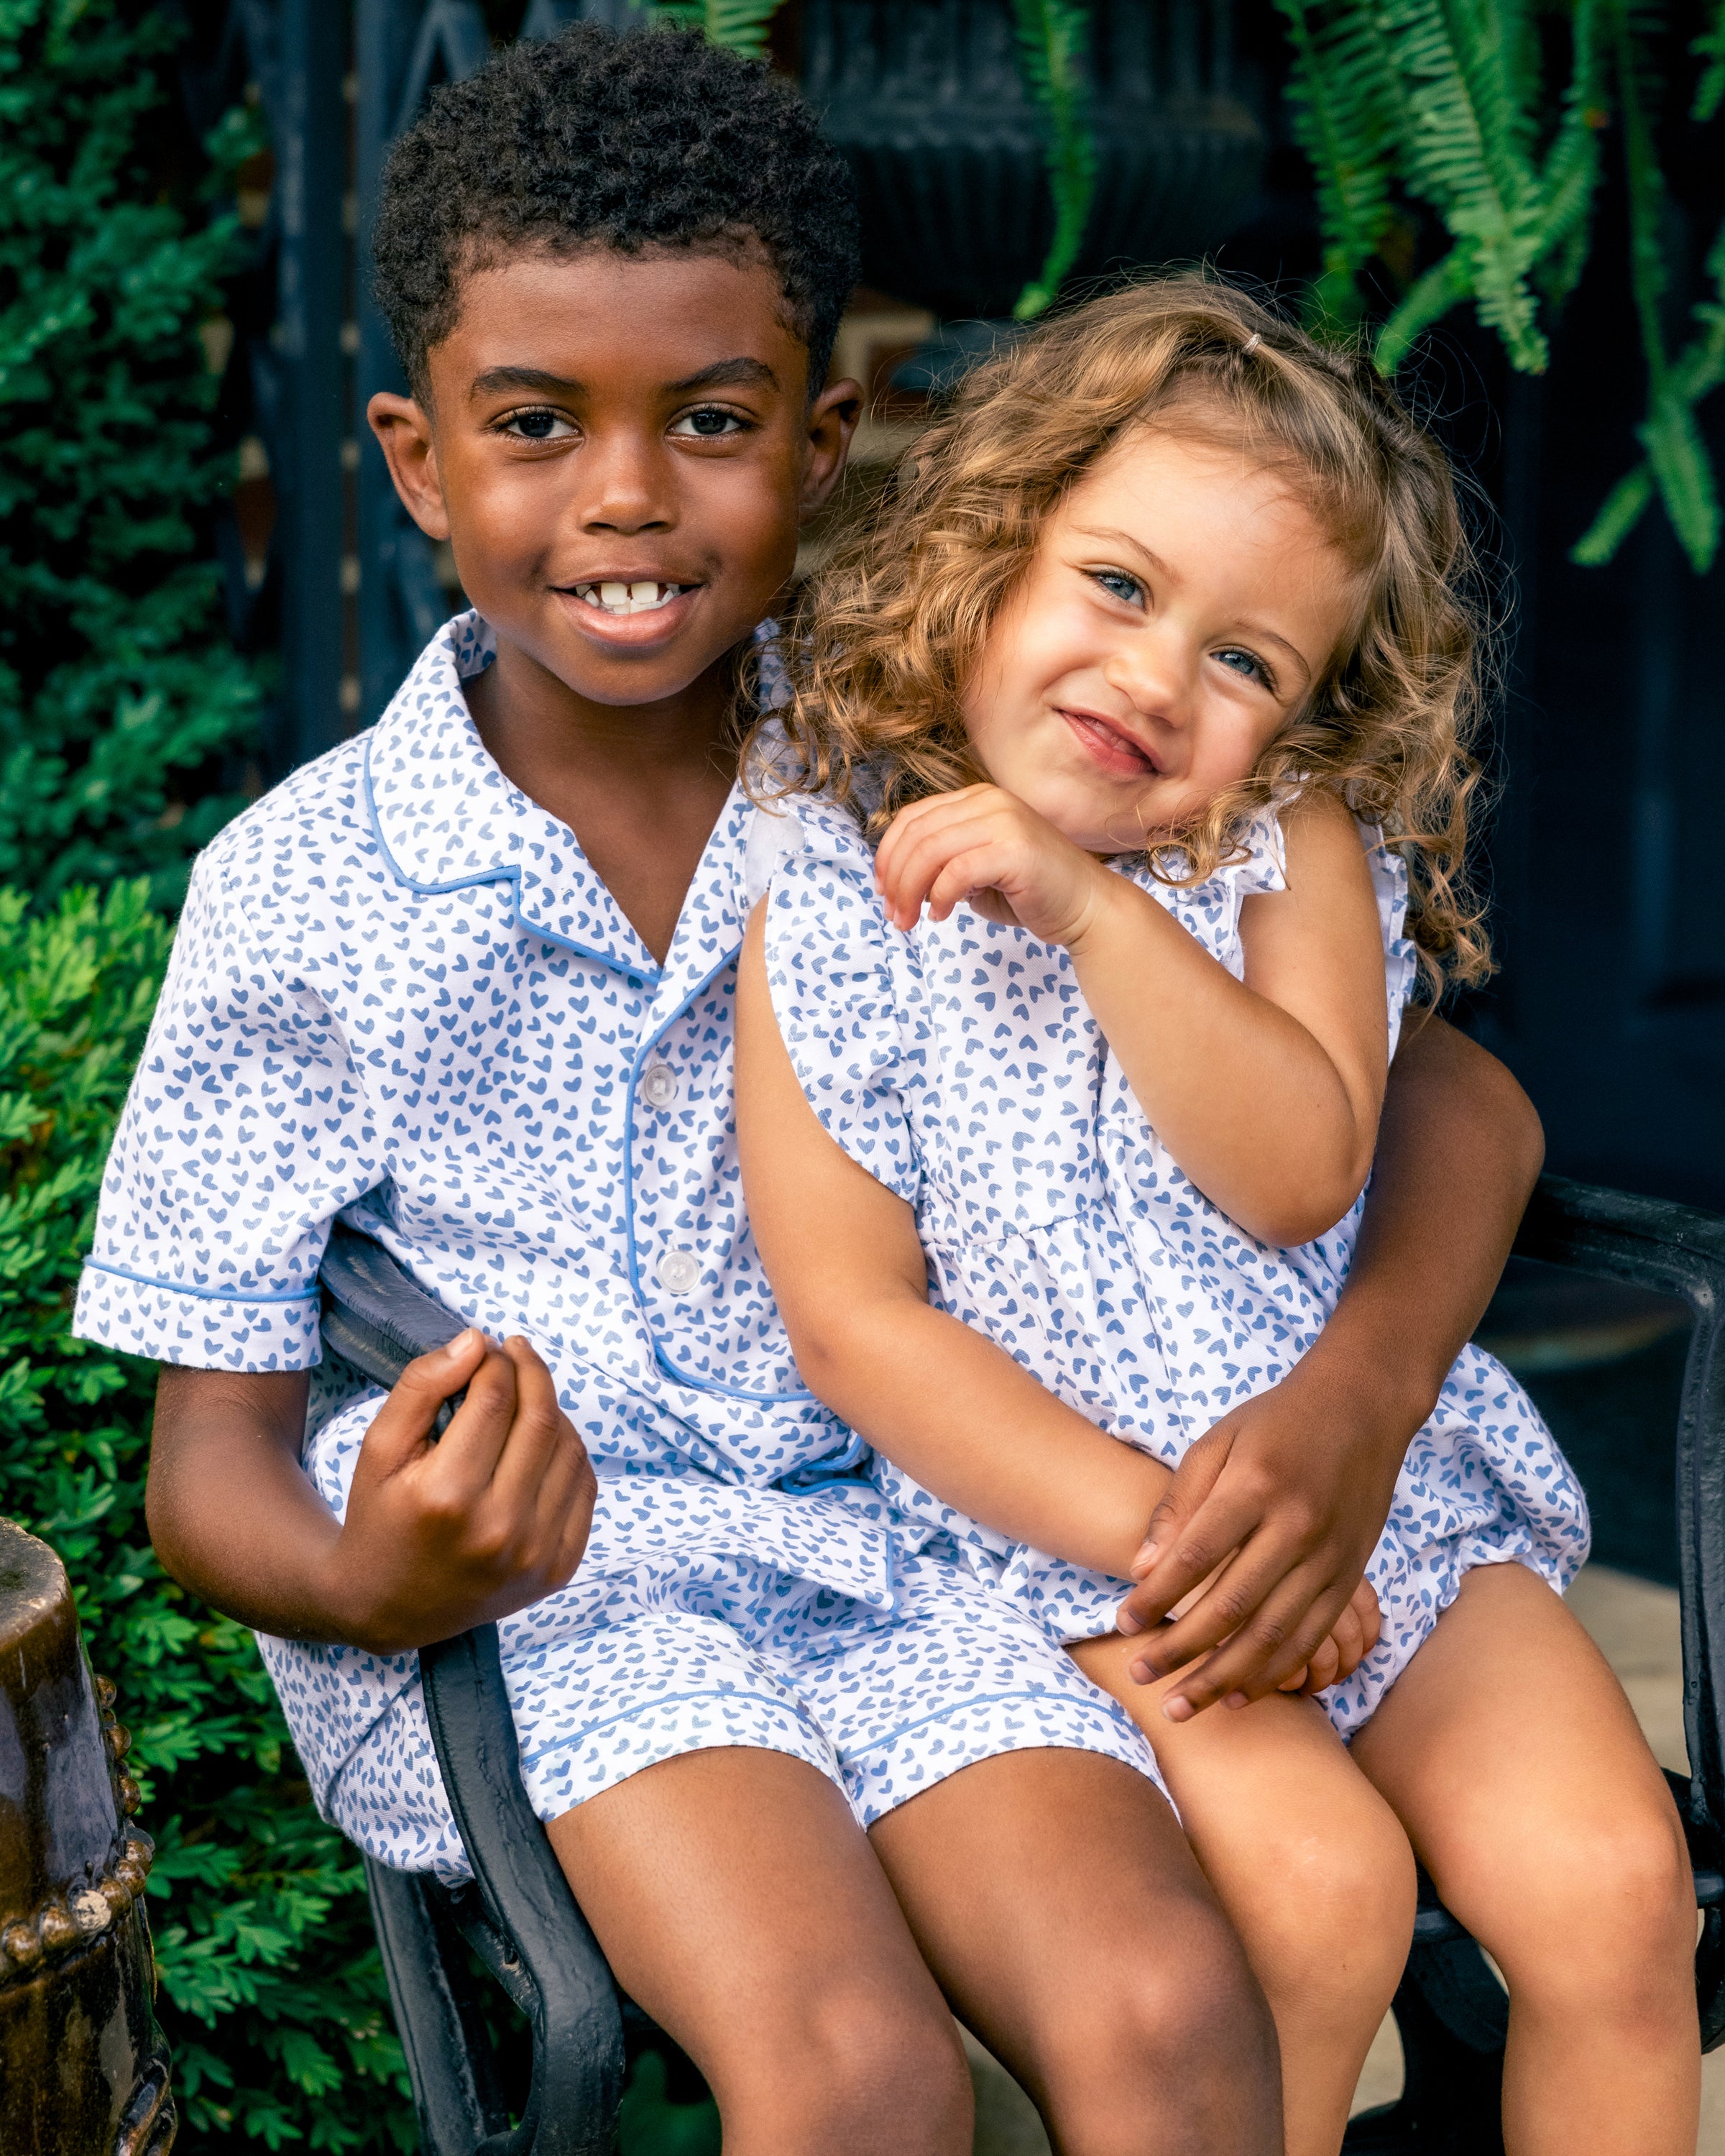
(1154, 677)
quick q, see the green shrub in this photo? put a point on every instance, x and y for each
(119, 695)
(272, 1993)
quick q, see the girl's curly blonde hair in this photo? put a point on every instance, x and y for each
(887, 634)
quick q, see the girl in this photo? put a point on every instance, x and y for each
(1056, 1110)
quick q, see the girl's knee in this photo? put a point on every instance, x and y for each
(1333, 1918)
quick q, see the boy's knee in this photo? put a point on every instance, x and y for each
(856, 2072)
(1185, 2040)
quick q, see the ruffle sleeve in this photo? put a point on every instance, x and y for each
(1401, 957)
(1210, 911)
(839, 974)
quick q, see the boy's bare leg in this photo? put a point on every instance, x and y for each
(1511, 1754)
(1055, 1897)
(737, 1902)
(1309, 1860)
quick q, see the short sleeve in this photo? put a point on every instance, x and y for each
(838, 995)
(1401, 957)
(1209, 911)
(246, 1131)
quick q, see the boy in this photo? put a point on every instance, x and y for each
(468, 979)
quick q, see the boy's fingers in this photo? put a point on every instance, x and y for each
(1285, 1632)
(466, 1457)
(1236, 1578)
(399, 1429)
(1180, 1547)
(537, 1430)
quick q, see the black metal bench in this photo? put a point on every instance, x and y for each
(521, 1922)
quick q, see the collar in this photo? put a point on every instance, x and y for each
(446, 816)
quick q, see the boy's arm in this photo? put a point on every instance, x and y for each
(938, 1399)
(1298, 1481)
(439, 1534)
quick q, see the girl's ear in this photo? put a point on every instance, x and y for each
(403, 431)
(832, 421)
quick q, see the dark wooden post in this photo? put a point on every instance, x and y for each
(84, 2070)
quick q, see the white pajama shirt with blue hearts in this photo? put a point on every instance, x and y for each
(959, 1065)
(398, 993)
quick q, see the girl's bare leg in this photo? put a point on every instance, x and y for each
(1512, 1756)
(1310, 1864)
(738, 1902)
(1055, 1898)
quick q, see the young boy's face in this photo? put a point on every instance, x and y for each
(620, 448)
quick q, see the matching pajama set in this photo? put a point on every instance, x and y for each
(399, 994)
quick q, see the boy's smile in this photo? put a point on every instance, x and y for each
(620, 448)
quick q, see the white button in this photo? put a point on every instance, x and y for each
(678, 1270)
(659, 1084)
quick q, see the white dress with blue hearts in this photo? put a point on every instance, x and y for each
(399, 993)
(959, 1064)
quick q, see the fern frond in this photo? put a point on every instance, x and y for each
(1430, 298)
(1466, 152)
(1683, 472)
(1618, 515)
(1696, 372)
(739, 25)
(1052, 39)
(1347, 110)
(1570, 179)
(1710, 46)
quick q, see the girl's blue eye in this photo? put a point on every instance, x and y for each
(708, 422)
(1120, 586)
(1247, 663)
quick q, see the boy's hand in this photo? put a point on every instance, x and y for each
(446, 1533)
(985, 846)
(1301, 1519)
(1357, 1632)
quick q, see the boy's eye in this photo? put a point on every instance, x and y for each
(707, 423)
(538, 424)
(1118, 585)
(1247, 663)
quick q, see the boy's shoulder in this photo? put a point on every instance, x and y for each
(320, 822)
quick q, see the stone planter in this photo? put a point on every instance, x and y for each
(83, 2070)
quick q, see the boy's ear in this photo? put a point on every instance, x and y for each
(403, 431)
(832, 421)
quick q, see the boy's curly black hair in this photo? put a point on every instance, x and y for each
(644, 137)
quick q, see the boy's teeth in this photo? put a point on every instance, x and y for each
(628, 598)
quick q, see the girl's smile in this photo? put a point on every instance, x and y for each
(1182, 607)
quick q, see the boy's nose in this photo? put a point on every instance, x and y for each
(624, 489)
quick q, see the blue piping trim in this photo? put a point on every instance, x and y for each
(201, 1294)
(1105, 1708)
(500, 874)
(634, 1713)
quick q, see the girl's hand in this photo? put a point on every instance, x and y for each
(984, 845)
(442, 1534)
(1357, 1633)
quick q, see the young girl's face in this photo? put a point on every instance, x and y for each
(1180, 608)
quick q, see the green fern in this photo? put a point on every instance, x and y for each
(1710, 46)
(1346, 107)
(1696, 372)
(739, 25)
(1053, 36)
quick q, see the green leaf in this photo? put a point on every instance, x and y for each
(740, 25)
(1052, 40)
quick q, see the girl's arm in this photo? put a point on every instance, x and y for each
(1266, 1091)
(941, 1401)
